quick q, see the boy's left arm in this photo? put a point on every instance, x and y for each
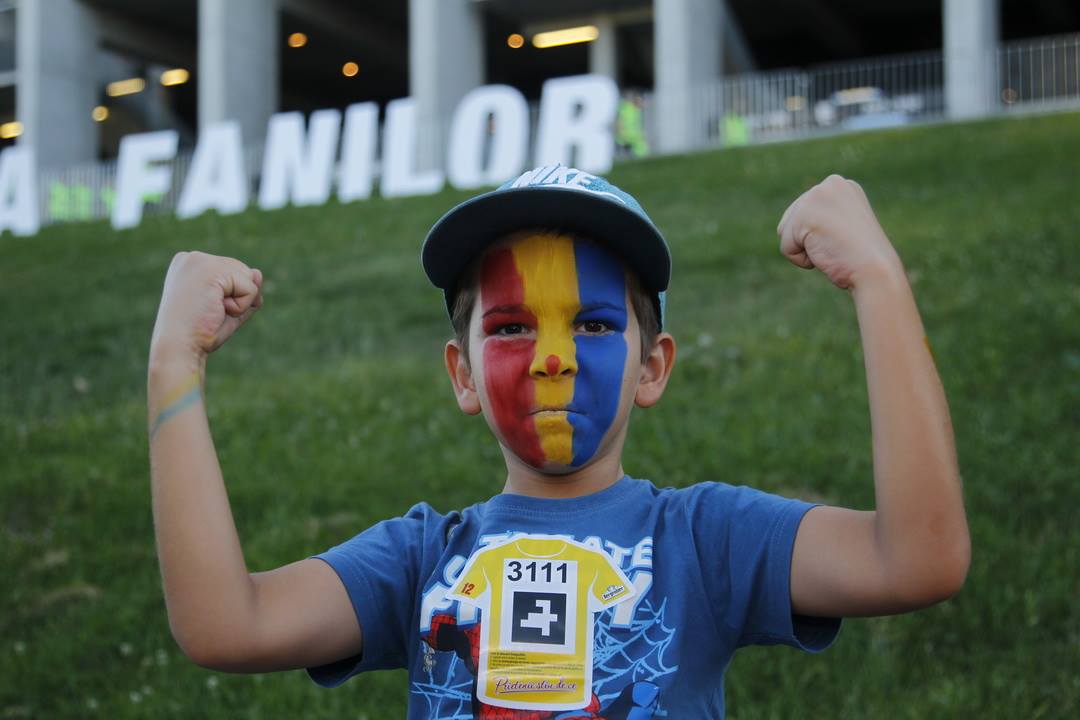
(913, 550)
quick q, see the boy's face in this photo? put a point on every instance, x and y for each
(551, 340)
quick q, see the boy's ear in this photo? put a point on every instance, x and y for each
(461, 378)
(655, 371)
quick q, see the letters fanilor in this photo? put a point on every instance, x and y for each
(487, 144)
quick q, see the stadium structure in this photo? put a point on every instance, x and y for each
(77, 76)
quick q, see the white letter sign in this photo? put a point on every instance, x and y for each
(298, 168)
(137, 178)
(358, 151)
(399, 174)
(488, 142)
(496, 110)
(216, 179)
(18, 191)
(578, 113)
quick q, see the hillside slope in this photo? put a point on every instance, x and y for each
(331, 411)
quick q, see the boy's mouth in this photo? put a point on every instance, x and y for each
(552, 411)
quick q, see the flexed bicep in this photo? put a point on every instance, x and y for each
(300, 616)
(840, 568)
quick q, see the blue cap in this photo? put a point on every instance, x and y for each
(552, 197)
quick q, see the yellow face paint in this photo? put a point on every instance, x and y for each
(546, 264)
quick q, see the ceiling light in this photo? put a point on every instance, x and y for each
(350, 69)
(125, 87)
(11, 130)
(297, 40)
(176, 76)
(566, 36)
(100, 113)
(515, 41)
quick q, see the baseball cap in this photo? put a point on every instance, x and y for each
(553, 197)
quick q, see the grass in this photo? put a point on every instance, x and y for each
(331, 411)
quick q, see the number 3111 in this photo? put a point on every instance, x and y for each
(516, 571)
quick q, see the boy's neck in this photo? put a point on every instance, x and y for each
(522, 479)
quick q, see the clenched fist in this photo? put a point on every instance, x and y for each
(206, 298)
(831, 227)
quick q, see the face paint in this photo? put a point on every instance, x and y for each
(602, 288)
(506, 358)
(554, 391)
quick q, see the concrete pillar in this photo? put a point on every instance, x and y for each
(446, 60)
(238, 64)
(603, 52)
(688, 52)
(971, 39)
(56, 87)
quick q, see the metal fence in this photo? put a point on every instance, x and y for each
(1039, 74)
(779, 105)
(1030, 75)
(87, 192)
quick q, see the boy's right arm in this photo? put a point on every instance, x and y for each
(222, 616)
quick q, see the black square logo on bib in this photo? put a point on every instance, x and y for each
(539, 618)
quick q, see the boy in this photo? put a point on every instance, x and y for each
(578, 592)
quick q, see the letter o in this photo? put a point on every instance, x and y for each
(507, 147)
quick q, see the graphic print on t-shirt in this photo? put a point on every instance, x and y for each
(539, 595)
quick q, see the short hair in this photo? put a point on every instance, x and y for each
(467, 290)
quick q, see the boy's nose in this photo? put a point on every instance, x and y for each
(555, 352)
(552, 365)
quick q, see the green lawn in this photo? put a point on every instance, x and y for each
(331, 411)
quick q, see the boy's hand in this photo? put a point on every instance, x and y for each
(832, 227)
(206, 298)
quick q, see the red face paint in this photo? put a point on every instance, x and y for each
(507, 360)
(552, 362)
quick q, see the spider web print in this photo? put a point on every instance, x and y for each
(447, 692)
(622, 656)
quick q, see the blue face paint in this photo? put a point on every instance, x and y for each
(601, 358)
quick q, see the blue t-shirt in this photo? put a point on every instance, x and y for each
(709, 565)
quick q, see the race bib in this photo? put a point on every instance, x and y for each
(539, 595)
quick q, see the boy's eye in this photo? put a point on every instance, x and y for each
(594, 327)
(508, 323)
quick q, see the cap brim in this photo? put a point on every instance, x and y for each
(465, 231)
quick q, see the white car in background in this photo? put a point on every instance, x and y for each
(862, 108)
